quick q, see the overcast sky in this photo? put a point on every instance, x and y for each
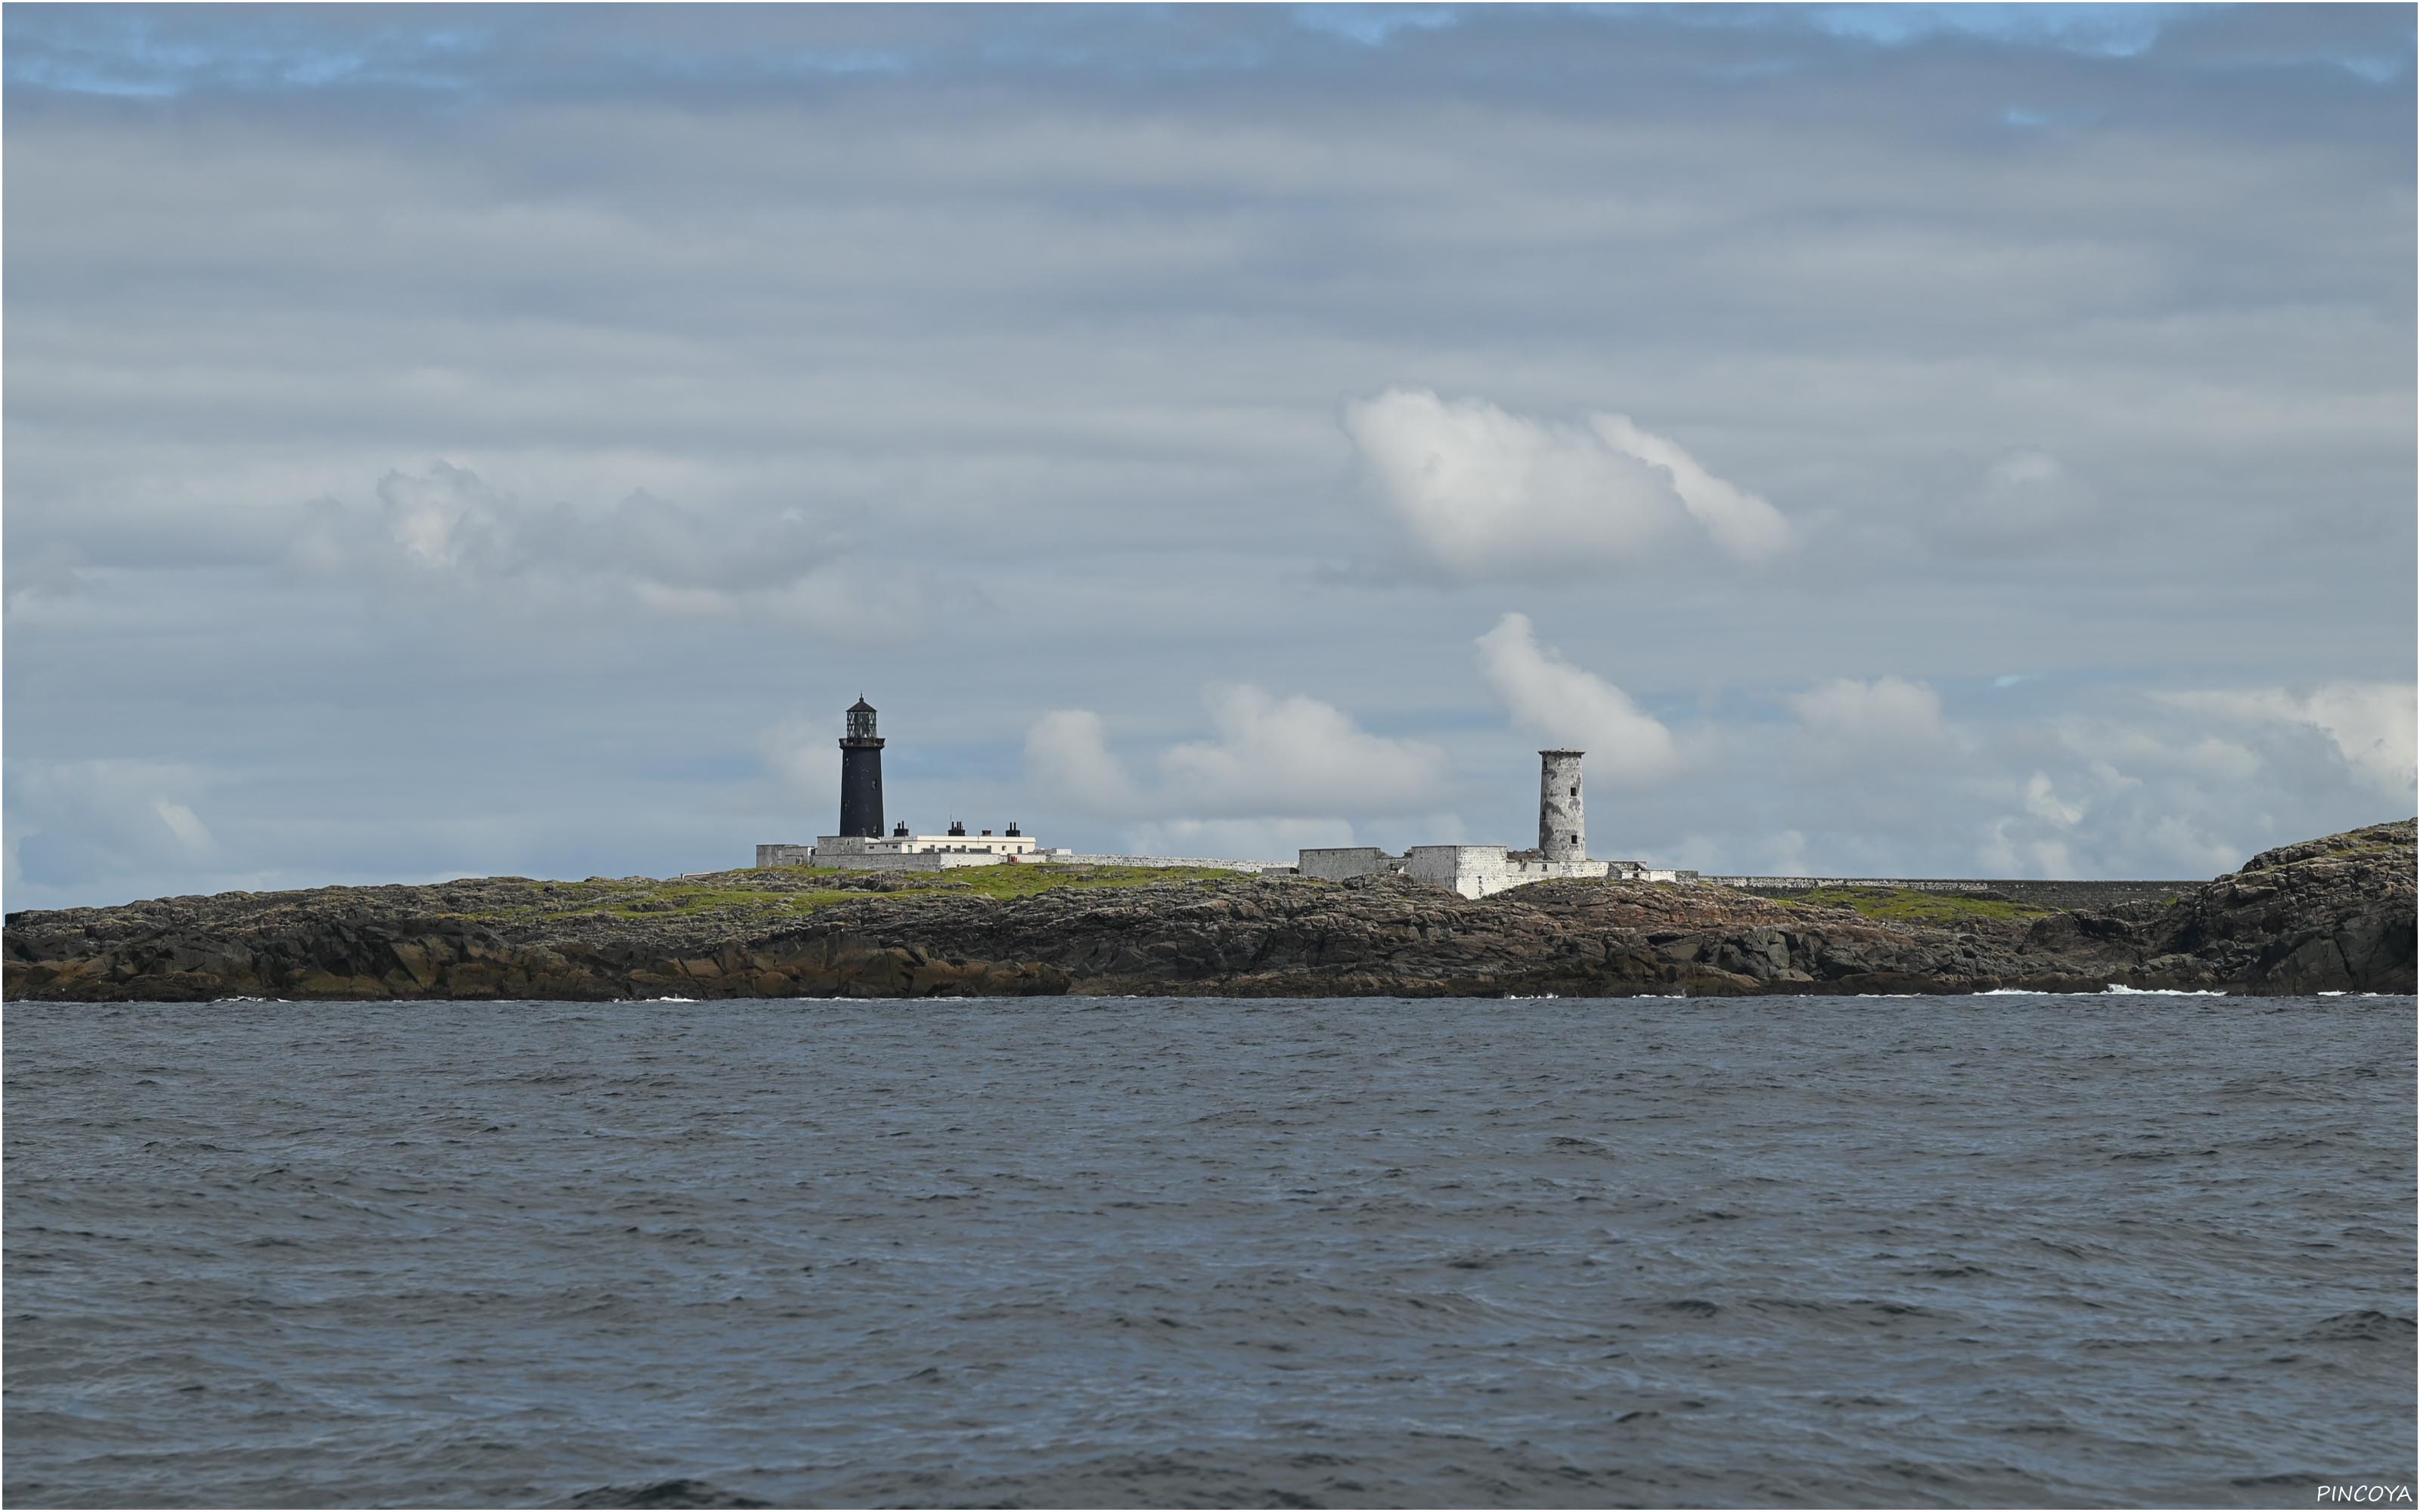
(1973, 442)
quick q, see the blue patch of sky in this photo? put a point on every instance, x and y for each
(113, 51)
(69, 77)
(2376, 69)
(1754, 72)
(2370, 68)
(2027, 118)
(1015, 52)
(2103, 31)
(839, 64)
(1371, 26)
(326, 69)
(124, 54)
(2108, 31)
(1233, 53)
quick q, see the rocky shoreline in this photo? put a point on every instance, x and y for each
(2331, 915)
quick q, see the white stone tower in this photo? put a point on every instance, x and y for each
(1562, 831)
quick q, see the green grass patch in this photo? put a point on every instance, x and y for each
(1905, 906)
(673, 898)
(2374, 848)
(623, 899)
(777, 891)
(1024, 880)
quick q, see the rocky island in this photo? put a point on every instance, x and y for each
(2332, 914)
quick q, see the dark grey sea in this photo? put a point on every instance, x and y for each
(2040, 1250)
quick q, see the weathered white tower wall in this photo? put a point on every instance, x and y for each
(1562, 830)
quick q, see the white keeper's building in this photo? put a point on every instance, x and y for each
(900, 851)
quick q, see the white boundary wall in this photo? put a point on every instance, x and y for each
(1211, 862)
(1482, 871)
(852, 857)
(1472, 871)
(781, 856)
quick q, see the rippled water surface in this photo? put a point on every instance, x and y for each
(2053, 1250)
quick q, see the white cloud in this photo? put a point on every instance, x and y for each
(183, 824)
(1273, 759)
(804, 755)
(446, 519)
(1491, 496)
(2006, 855)
(1249, 840)
(1886, 713)
(2105, 744)
(108, 817)
(2193, 853)
(1298, 757)
(1068, 763)
(834, 601)
(1570, 706)
(1740, 523)
(2044, 802)
(447, 530)
(47, 571)
(2026, 501)
(2371, 725)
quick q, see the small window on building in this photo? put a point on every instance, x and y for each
(1576, 793)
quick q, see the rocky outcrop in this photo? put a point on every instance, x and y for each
(2331, 915)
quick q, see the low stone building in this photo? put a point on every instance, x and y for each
(1472, 871)
(1478, 871)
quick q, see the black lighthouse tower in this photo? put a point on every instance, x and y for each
(861, 775)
